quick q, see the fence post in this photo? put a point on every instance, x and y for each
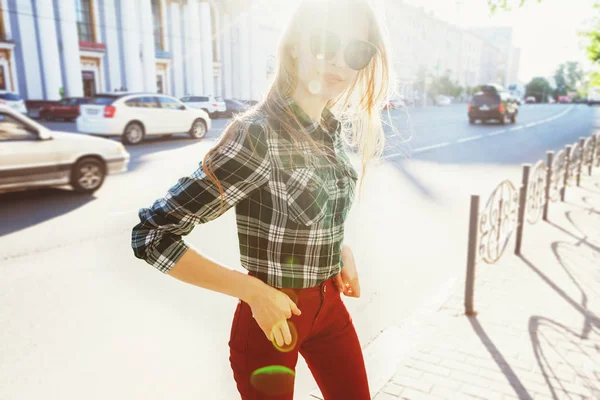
(472, 255)
(597, 160)
(591, 160)
(522, 207)
(580, 164)
(566, 177)
(549, 161)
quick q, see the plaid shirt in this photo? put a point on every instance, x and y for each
(290, 203)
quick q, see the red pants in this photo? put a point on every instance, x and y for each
(324, 335)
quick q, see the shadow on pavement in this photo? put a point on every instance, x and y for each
(416, 183)
(503, 365)
(41, 205)
(587, 223)
(590, 317)
(579, 262)
(546, 335)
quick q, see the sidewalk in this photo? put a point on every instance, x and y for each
(537, 332)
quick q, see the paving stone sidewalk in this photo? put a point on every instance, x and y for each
(537, 332)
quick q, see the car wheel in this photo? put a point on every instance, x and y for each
(198, 129)
(88, 175)
(47, 117)
(133, 134)
(503, 120)
(471, 121)
(513, 119)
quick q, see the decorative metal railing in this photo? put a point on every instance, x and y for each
(507, 208)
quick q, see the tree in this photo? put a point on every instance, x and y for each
(568, 78)
(506, 5)
(539, 88)
(444, 85)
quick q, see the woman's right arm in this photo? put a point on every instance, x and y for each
(241, 164)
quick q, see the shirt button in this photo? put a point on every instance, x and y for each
(340, 183)
(324, 288)
(338, 219)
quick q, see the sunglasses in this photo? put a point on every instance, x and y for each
(324, 45)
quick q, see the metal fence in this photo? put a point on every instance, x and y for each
(507, 208)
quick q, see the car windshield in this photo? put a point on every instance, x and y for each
(10, 96)
(103, 100)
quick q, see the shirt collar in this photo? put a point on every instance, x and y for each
(328, 121)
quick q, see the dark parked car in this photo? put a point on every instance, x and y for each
(66, 109)
(492, 104)
(234, 107)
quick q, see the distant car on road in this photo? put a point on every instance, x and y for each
(395, 103)
(530, 100)
(564, 99)
(593, 96)
(33, 156)
(233, 107)
(13, 100)
(135, 116)
(492, 104)
(66, 109)
(441, 100)
(212, 105)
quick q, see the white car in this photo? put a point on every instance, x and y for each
(135, 116)
(13, 100)
(442, 100)
(593, 96)
(211, 104)
(33, 156)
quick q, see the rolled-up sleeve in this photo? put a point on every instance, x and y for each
(241, 164)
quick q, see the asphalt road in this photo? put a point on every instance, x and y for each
(81, 317)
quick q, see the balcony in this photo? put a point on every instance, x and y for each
(90, 46)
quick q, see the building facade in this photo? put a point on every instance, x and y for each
(50, 48)
(423, 44)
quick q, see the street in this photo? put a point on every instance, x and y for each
(82, 318)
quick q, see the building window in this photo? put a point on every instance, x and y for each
(157, 25)
(2, 28)
(85, 21)
(2, 78)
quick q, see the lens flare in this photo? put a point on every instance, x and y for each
(291, 293)
(274, 380)
(314, 87)
(286, 348)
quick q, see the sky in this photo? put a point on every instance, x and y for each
(545, 31)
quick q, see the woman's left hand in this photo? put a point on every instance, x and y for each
(347, 280)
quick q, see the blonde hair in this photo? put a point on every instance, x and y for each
(358, 108)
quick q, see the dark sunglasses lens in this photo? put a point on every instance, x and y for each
(358, 54)
(324, 45)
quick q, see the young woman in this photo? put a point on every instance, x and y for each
(283, 166)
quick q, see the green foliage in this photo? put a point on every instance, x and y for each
(444, 85)
(506, 5)
(538, 87)
(568, 77)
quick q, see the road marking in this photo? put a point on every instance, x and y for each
(468, 139)
(435, 146)
(471, 138)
